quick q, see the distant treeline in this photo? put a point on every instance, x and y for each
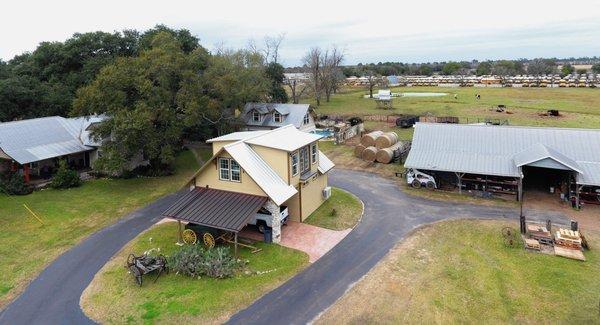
(538, 66)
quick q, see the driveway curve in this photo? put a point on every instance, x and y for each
(390, 214)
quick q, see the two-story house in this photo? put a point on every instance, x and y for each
(268, 116)
(275, 170)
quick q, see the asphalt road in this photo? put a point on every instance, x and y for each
(53, 297)
(390, 214)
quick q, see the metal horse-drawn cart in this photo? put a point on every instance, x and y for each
(142, 265)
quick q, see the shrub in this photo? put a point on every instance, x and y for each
(65, 177)
(14, 184)
(195, 261)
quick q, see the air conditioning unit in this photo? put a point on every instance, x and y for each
(327, 192)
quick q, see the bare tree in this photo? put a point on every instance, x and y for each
(332, 59)
(313, 61)
(297, 88)
(270, 48)
(373, 80)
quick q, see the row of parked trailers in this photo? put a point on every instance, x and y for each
(550, 81)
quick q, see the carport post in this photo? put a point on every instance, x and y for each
(236, 244)
(578, 189)
(180, 237)
(459, 176)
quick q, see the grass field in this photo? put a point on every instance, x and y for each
(26, 246)
(580, 106)
(114, 298)
(461, 272)
(348, 210)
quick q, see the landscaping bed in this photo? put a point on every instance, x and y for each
(114, 297)
(461, 272)
(341, 211)
(69, 216)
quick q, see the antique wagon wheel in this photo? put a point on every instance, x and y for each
(189, 237)
(209, 240)
(130, 260)
(137, 274)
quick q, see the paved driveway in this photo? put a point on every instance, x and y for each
(390, 214)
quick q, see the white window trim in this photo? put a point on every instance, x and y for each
(306, 119)
(254, 114)
(297, 164)
(314, 153)
(277, 117)
(229, 170)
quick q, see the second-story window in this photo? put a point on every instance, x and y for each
(304, 160)
(256, 116)
(294, 164)
(229, 170)
(313, 152)
(306, 119)
(277, 117)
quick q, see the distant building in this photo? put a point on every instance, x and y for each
(266, 116)
(33, 147)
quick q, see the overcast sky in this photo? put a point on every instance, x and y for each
(369, 31)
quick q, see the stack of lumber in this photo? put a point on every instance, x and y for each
(532, 244)
(539, 233)
(568, 238)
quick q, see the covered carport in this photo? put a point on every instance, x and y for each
(218, 209)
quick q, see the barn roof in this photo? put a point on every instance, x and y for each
(501, 150)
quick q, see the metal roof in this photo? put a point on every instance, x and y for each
(286, 138)
(237, 136)
(262, 174)
(291, 114)
(325, 164)
(44, 138)
(500, 150)
(214, 208)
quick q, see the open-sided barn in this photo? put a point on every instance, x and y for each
(507, 159)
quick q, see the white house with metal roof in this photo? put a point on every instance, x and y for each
(32, 147)
(284, 166)
(508, 156)
(268, 116)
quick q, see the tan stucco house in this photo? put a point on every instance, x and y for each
(276, 170)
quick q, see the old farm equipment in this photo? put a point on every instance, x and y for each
(142, 265)
(510, 236)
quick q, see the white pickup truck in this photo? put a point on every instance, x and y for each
(263, 218)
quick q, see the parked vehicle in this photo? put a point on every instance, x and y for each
(263, 218)
(418, 179)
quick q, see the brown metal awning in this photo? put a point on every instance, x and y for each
(214, 208)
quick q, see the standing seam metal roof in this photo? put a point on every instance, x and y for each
(492, 150)
(214, 208)
(44, 138)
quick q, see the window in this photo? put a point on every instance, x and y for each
(223, 169)
(256, 116)
(235, 171)
(313, 152)
(306, 119)
(229, 170)
(304, 160)
(277, 117)
(294, 164)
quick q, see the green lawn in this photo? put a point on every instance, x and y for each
(580, 106)
(461, 272)
(26, 246)
(114, 297)
(341, 211)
